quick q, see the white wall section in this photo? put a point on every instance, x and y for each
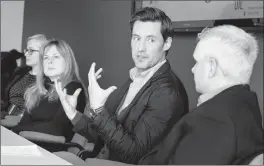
(12, 13)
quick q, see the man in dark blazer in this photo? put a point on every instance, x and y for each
(141, 113)
(226, 126)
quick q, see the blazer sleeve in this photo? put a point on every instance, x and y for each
(83, 125)
(131, 146)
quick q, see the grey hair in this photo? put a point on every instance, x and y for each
(238, 60)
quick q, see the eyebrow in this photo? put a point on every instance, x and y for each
(147, 35)
(151, 36)
(52, 54)
(32, 48)
(135, 34)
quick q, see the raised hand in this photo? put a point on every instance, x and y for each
(69, 102)
(97, 95)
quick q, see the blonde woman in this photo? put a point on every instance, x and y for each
(23, 77)
(44, 111)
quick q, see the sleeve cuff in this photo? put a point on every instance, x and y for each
(76, 118)
(101, 118)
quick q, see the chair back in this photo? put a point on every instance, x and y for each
(79, 139)
(10, 121)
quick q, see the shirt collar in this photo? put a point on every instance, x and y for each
(207, 96)
(134, 73)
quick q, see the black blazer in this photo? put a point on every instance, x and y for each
(160, 103)
(224, 130)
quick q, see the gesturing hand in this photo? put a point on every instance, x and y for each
(97, 95)
(69, 102)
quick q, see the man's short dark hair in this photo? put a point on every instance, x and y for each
(154, 15)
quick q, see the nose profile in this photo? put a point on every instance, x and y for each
(26, 54)
(193, 69)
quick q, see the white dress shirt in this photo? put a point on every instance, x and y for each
(139, 79)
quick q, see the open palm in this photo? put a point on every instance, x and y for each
(97, 95)
(69, 102)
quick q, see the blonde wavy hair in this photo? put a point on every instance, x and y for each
(43, 88)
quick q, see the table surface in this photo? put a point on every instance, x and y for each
(9, 138)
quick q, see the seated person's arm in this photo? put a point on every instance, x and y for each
(60, 124)
(83, 125)
(148, 131)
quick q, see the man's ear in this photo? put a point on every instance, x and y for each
(167, 44)
(212, 67)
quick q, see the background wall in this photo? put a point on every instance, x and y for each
(11, 25)
(98, 31)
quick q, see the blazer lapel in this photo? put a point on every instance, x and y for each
(116, 97)
(164, 68)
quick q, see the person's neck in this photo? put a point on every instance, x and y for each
(34, 70)
(222, 84)
(214, 90)
(54, 78)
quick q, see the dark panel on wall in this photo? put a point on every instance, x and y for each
(63, 19)
(257, 76)
(98, 31)
(181, 60)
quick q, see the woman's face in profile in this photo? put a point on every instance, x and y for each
(53, 63)
(32, 52)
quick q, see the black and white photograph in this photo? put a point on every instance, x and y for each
(132, 82)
